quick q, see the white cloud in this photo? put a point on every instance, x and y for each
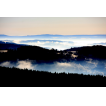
(84, 38)
(66, 43)
(54, 37)
(73, 37)
(73, 67)
(64, 64)
(47, 42)
(16, 41)
(24, 64)
(97, 72)
(5, 64)
(57, 42)
(36, 43)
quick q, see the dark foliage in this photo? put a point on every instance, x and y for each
(94, 52)
(32, 52)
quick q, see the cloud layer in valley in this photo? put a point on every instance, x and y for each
(59, 42)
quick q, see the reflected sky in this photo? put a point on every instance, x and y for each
(90, 66)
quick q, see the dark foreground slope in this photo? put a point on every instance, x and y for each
(9, 45)
(35, 73)
(23, 80)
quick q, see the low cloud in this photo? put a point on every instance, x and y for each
(102, 43)
(17, 41)
(64, 64)
(56, 44)
(98, 73)
(73, 67)
(7, 64)
(54, 37)
(24, 64)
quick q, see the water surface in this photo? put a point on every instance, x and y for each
(92, 67)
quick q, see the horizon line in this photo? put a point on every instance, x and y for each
(50, 34)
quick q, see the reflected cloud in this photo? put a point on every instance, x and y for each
(92, 67)
(98, 73)
(73, 67)
(24, 64)
(64, 64)
(91, 63)
(7, 64)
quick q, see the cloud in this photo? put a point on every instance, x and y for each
(48, 42)
(73, 37)
(66, 43)
(85, 38)
(64, 64)
(98, 73)
(24, 64)
(38, 42)
(98, 43)
(56, 44)
(27, 41)
(54, 37)
(73, 67)
(102, 43)
(7, 64)
(17, 41)
(91, 64)
(9, 41)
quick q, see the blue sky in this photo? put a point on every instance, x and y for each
(54, 32)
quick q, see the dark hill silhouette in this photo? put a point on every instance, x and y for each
(9, 45)
(39, 53)
(95, 52)
(31, 52)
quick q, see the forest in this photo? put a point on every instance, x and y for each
(35, 52)
(24, 77)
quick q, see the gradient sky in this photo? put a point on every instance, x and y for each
(54, 32)
(21, 26)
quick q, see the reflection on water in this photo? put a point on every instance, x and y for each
(3, 50)
(86, 67)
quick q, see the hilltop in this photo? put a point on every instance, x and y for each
(23, 52)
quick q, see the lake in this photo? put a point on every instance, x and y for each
(3, 50)
(89, 66)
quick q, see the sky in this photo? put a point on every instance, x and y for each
(54, 32)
